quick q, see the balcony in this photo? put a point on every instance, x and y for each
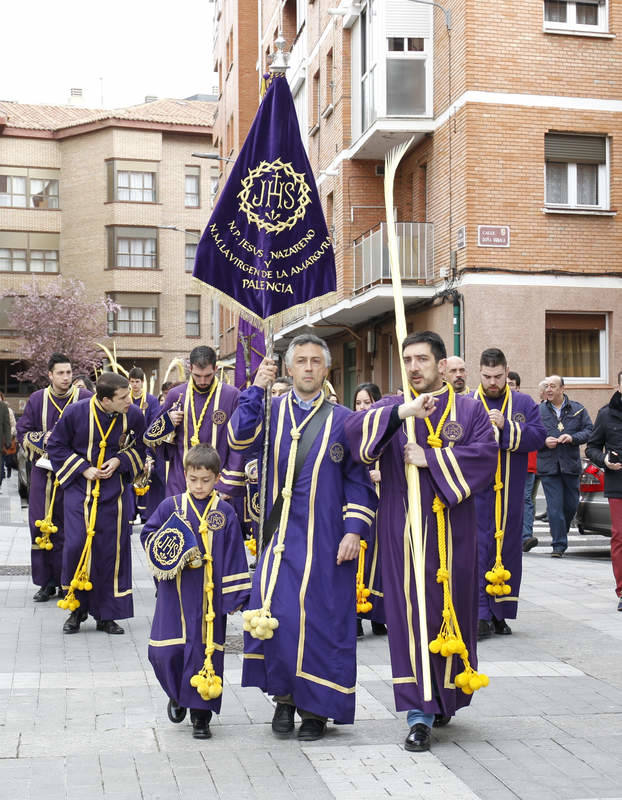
(416, 255)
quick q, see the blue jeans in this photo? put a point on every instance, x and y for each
(562, 498)
(415, 716)
(529, 511)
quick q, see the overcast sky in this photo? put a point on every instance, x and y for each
(118, 50)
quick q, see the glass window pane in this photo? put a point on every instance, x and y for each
(5, 200)
(587, 14)
(574, 354)
(555, 10)
(416, 45)
(123, 194)
(395, 44)
(556, 183)
(136, 195)
(405, 87)
(148, 180)
(136, 180)
(587, 184)
(19, 185)
(123, 178)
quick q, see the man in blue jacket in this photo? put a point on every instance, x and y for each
(567, 425)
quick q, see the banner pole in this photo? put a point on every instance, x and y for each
(263, 492)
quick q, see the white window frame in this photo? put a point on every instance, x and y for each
(408, 55)
(603, 355)
(603, 185)
(571, 24)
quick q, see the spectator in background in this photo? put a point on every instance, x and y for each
(536, 484)
(605, 449)
(455, 373)
(514, 381)
(5, 434)
(84, 382)
(281, 386)
(164, 390)
(10, 459)
(531, 484)
(568, 425)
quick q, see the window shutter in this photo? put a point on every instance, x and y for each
(575, 148)
(575, 322)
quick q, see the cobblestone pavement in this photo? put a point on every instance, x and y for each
(83, 717)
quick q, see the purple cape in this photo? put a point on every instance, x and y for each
(178, 630)
(73, 447)
(461, 467)
(39, 417)
(313, 653)
(522, 432)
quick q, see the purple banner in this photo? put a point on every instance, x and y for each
(266, 246)
(250, 352)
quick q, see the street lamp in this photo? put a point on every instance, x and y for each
(213, 157)
(446, 11)
(175, 228)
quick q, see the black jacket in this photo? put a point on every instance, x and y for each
(607, 435)
(5, 425)
(565, 458)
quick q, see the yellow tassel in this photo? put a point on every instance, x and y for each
(45, 525)
(251, 545)
(362, 592)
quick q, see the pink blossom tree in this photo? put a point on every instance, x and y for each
(58, 318)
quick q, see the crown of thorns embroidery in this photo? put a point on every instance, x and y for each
(270, 220)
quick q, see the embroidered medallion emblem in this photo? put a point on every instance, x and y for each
(336, 452)
(519, 417)
(216, 520)
(168, 546)
(453, 431)
(219, 417)
(255, 502)
(274, 196)
(157, 428)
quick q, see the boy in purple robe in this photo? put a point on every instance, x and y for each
(97, 451)
(148, 405)
(180, 637)
(516, 423)
(193, 412)
(45, 504)
(303, 600)
(455, 453)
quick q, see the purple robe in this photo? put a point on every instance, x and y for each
(213, 431)
(523, 431)
(72, 448)
(461, 467)
(313, 653)
(146, 504)
(39, 417)
(178, 630)
(373, 573)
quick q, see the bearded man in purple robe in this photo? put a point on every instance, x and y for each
(149, 407)
(455, 455)
(304, 585)
(516, 423)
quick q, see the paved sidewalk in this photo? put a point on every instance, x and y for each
(83, 717)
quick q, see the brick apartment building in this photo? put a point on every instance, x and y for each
(507, 200)
(115, 199)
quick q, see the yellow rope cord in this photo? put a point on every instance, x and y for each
(258, 621)
(362, 593)
(81, 579)
(251, 545)
(449, 641)
(45, 525)
(196, 425)
(498, 575)
(206, 682)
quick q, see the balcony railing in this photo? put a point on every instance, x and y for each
(415, 242)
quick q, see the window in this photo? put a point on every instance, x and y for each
(576, 347)
(368, 67)
(193, 315)
(576, 15)
(132, 248)
(406, 75)
(132, 181)
(192, 241)
(192, 179)
(315, 102)
(7, 327)
(330, 80)
(29, 252)
(138, 314)
(576, 171)
(28, 187)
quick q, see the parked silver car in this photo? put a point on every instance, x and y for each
(593, 512)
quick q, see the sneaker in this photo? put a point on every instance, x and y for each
(529, 544)
(556, 554)
(283, 719)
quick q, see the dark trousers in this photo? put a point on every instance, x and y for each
(562, 498)
(615, 507)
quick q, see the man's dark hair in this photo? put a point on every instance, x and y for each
(166, 386)
(202, 455)
(136, 373)
(514, 376)
(284, 379)
(493, 357)
(86, 380)
(108, 383)
(57, 358)
(203, 356)
(437, 345)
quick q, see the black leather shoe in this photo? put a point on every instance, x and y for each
(109, 626)
(378, 628)
(45, 593)
(557, 554)
(72, 624)
(440, 720)
(484, 629)
(501, 627)
(283, 719)
(359, 629)
(175, 712)
(418, 740)
(200, 724)
(530, 543)
(311, 730)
